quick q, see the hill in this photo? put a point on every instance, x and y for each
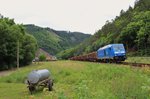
(131, 27)
(54, 41)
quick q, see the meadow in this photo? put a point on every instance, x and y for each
(80, 80)
(138, 59)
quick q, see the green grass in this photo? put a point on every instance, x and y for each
(81, 80)
(138, 59)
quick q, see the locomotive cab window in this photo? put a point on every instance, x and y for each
(104, 52)
(110, 49)
(118, 48)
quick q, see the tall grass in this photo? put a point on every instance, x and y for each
(81, 80)
(139, 59)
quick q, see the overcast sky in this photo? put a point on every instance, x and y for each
(74, 15)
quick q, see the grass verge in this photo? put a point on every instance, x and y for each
(81, 80)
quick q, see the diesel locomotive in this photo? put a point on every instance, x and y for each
(108, 53)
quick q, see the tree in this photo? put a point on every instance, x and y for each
(29, 47)
(10, 34)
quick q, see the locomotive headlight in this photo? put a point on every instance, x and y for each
(122, 52)
(116, 52)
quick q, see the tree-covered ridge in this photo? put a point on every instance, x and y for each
(10, 34)
(132, 28)
(54, 41)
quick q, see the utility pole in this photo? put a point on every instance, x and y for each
(18, 54)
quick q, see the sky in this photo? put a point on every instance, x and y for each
(86, 16)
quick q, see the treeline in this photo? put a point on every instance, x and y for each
(132, 28)
(10, 34)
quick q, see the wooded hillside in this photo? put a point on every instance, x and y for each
(54, 41)
(131, 27)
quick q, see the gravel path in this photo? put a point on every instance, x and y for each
(5, 73)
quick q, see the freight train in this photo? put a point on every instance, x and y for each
(108, 53)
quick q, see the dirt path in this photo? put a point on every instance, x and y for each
(5, 73)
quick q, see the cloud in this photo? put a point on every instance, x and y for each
(74, 15)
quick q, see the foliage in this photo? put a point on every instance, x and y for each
(137, 32)
(29, 47)
(132, 28)
(54, 41)
(10, 34)
(42, 57)
(81, 80)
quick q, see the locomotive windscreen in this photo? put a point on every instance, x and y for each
(118, 48)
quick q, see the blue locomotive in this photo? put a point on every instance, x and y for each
(108, 53)
(112, 52)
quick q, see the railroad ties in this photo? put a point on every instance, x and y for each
(136, 64)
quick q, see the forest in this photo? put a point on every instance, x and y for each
(12, 36)
(131, 27)
(54, 41)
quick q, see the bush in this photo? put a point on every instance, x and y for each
(42, 57)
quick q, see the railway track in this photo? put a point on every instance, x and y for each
(135, 64)
(126, 63)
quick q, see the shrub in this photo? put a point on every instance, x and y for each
(42, 57)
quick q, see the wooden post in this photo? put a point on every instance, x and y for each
(127, 46)
(18, 54)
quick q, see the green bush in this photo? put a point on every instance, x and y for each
(13, 36)
(42, 57)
